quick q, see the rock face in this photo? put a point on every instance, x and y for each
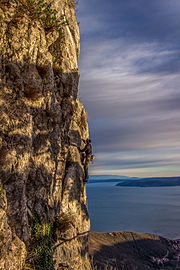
(44, 221)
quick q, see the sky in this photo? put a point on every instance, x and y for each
(130, 85)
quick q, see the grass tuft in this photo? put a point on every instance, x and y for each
(3, 154)
(57, 70)
(73, 3)
(36, 10)
(1, 191)
(83, 120)
(40, 252)
(42, 11)
(64, 222)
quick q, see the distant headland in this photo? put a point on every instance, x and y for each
(151, 182)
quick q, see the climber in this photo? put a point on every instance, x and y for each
(86, 157)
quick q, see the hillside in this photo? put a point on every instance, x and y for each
(151, 182)
(130, 251)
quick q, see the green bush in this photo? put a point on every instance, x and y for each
(40, 251)
(64, 222)
(43, 12)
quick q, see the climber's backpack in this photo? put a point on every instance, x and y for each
(92, 158)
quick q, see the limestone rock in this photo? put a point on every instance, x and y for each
(42, 123)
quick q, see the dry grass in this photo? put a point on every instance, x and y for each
(3, 154)
(40, 10)
(83, 120)
(73, 3)
(57, 70)
(64, 222)
(4, 123)
(1, 191)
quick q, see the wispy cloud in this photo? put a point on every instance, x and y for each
(130, 86)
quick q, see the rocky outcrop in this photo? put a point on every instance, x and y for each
(44, 221)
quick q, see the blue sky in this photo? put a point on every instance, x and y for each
(130, 67)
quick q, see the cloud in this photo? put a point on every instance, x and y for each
(134, 20)
(139, 157)
(130, 84)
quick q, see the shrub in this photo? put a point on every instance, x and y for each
(40, 252)
(43, 12)
(57, 69)
(64, 222)
(3, 154)
(39, 10)
(1, 191)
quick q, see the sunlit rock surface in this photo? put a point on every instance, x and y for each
(42, 194)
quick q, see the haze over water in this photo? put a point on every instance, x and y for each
(147, 210)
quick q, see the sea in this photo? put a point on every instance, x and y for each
(141, 209)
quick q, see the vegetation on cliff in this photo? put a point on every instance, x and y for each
(40, 251)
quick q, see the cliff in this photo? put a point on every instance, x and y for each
(44, 221)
